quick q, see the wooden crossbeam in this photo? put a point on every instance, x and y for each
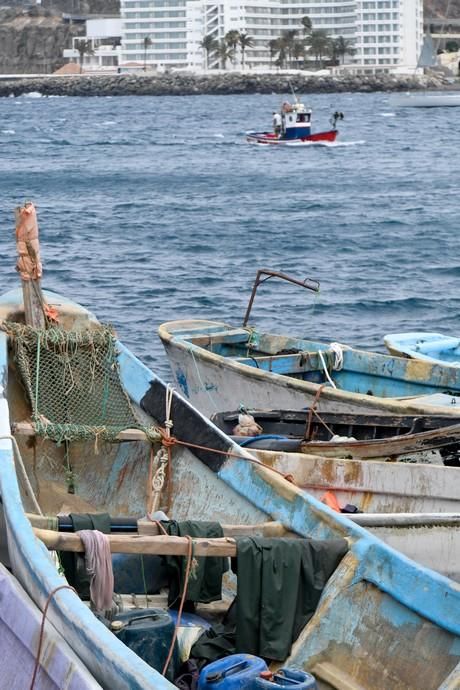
(27, 429)
(148, 528)
(265, 529)
(161, 545)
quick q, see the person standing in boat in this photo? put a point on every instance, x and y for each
(277, 124)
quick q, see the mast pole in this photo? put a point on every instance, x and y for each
(29, 265)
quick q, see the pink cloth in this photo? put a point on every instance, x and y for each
(98, 559)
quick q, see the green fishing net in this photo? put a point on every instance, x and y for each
(73, 383)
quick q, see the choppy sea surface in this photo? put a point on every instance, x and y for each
(155, 208)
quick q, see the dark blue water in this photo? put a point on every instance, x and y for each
(153, 209)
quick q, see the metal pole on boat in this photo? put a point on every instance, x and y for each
(29, 265)
(293, 92)
(308, 283)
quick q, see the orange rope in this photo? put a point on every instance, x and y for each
(158, 524)
(188, 567)
(312, 409)
(42, 630)
(149, 482)
(172, 441)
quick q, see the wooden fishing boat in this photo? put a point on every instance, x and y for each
(209, 484)
(407, 438)
(20, 622)
(87, 428)
(218, 367)
(430, 347)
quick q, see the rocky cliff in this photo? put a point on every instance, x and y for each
(32, 41)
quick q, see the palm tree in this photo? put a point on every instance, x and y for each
(84, 48)
(273, 46)
(245, 41)
(147, 44)
(306, 25)
(340, 47)
(281, 49)
(224, 52)
(319, 43)
(232, 39)
(289, 38)
(298, 50)
(209, 45)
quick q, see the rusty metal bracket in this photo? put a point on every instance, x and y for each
(308, 283)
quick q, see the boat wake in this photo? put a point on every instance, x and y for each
(311, 144)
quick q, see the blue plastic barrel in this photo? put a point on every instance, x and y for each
(287, 678)
(149, 633)
(234, 672)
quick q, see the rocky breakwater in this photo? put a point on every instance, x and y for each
(182, 84)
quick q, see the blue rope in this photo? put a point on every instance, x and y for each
(262, 437)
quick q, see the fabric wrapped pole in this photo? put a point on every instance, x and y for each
(98, 560)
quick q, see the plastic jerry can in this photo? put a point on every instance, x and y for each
(234, 672)
(286, 678)
(148, 633)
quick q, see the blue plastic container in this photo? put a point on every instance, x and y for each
(234, 672)
(149, 633)
(287, 678)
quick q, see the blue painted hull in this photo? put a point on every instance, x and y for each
(429, 347)
(373, 608)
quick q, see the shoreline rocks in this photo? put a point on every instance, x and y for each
(185, 84)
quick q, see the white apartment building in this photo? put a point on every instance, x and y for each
(103, 36)
(386, 34)
(389, 35)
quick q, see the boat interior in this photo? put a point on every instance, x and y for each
(310, 431)
(80, 459)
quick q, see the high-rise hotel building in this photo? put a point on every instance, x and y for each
(386, 34)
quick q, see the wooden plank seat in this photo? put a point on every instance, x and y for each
(235, 335)
(297, 363)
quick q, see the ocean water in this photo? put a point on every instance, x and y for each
(155, 208)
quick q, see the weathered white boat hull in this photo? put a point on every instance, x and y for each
(214, 383)
(20, 622)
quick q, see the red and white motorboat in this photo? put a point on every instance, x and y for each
(293, 126)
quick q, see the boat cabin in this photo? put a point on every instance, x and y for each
(296, 120)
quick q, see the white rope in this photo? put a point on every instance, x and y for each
(325, 369)
(17, 456)
(169, 398)
(337, 349)
(160, 460)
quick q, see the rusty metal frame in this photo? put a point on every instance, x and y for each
(308, 283)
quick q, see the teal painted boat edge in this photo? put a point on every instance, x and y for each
(433, 346)
(424, 591)
(108, 659)
(137, 380)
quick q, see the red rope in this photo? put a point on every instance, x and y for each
(188, 567)
(172, 441)
(42, 630)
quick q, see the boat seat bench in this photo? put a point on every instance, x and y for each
(298, 363)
